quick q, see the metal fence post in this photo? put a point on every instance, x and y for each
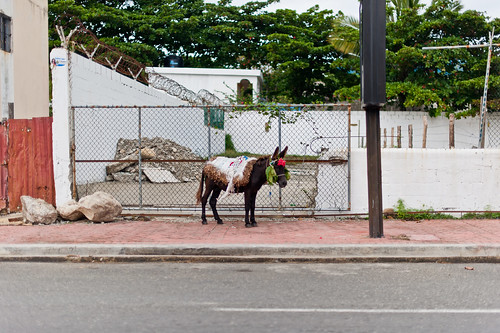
(209, 134)
(279, 145)
(349, 156)
(72, 151)
(140, 157)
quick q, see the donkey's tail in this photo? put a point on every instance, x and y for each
(200, 189)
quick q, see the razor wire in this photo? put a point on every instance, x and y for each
(76, 36)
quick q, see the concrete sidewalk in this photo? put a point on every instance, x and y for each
(275, 239)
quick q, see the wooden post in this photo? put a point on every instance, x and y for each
(424, 136)
(452, 131)
(385, 137)
(399, 137)
(392, 137)
(410, 136)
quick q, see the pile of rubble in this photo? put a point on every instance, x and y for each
(156, 172)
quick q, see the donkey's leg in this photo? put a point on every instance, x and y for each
(253, 198)
(204, 200)
(247, 209)
(213, 204)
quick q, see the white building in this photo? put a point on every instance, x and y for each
(224, 83)
(24, 59)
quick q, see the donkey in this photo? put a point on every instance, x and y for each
(216, 181)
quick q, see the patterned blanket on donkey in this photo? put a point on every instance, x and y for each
(235, 172)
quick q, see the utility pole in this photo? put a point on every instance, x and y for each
(486, 79)
(372, 35)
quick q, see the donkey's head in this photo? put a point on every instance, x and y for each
(278, 164)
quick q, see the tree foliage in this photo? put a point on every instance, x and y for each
(291, 48)
(446, 80)
(305, 57)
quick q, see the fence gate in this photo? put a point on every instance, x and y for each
(152, 157)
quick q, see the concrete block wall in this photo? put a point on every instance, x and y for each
(95, 84)
(439, 179)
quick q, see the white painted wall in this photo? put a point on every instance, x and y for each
(466, 129)
(88, 83)
(61, 125)
(220, 82)
(441, 179)
(94, 84)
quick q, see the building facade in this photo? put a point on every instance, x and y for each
(227, 84)
(24, 54)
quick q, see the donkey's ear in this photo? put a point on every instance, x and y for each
(283, 152)
(275, 154)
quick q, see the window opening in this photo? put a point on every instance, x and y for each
(5, 33)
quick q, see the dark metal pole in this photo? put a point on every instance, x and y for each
(372, 34)
(374, 165)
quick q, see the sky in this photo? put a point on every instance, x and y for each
(351, 7)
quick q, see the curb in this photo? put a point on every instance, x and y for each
(252, 253)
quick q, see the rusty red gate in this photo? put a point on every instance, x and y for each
(26, 162)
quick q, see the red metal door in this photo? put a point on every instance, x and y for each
(30, 167)
(3, 166)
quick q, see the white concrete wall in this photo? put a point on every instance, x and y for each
(439, 179)
(94, 84)
(88, 83)
(220, 82)
(61, 125)
(466, 129)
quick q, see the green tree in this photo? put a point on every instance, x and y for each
(299, 56)
(291, 48)
(439, 80)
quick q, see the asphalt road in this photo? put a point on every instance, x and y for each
(175, 297)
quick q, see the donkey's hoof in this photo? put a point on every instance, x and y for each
(220, 222)
(248, 225)
(204, 222)
(254, 224)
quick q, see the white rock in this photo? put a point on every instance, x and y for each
(69, 211)
(159, 175)
(38, 211)
(100, 207)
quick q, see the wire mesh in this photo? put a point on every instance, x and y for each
(493, 130)
(152, 157)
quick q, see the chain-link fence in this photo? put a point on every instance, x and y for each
(152, 157)
(492, 130)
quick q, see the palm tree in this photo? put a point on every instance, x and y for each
(345, 35)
